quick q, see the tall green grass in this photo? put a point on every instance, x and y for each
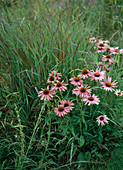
(36, 38)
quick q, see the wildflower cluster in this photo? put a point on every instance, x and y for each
(102, 46)
(80, 87)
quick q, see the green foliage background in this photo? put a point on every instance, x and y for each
(37, 37)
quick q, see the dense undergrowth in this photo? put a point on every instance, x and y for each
(37, 37)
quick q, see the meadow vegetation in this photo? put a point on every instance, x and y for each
(61, 84)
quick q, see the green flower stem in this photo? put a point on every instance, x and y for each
(21, 131)
(78, 102)
(105, 97)
(34, 131)
(81, 118)
(82, 105)
(80, 113)
(49, 131)
(81, 127)
(47, 140)
(61, 95)
(90, 110)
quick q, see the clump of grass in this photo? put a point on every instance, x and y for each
(36, 38)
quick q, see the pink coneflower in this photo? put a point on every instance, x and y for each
(55, 74)
(108, 69)
(93, 39)
(100, 49)
(99, 42)
(108, 58)
(61, 110)
(91, 100)
(121, 51)
(46, 94)
(102, 120)
(106, 42)
(84, 74)
(76, 81)
(108, 49)
(60, 86)
(82, 91)
(51, 79)
(102, 65)
(114, 50)
(101, 46)
(108, 85)
(98, 75)
(67, 104)
(119, 92)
